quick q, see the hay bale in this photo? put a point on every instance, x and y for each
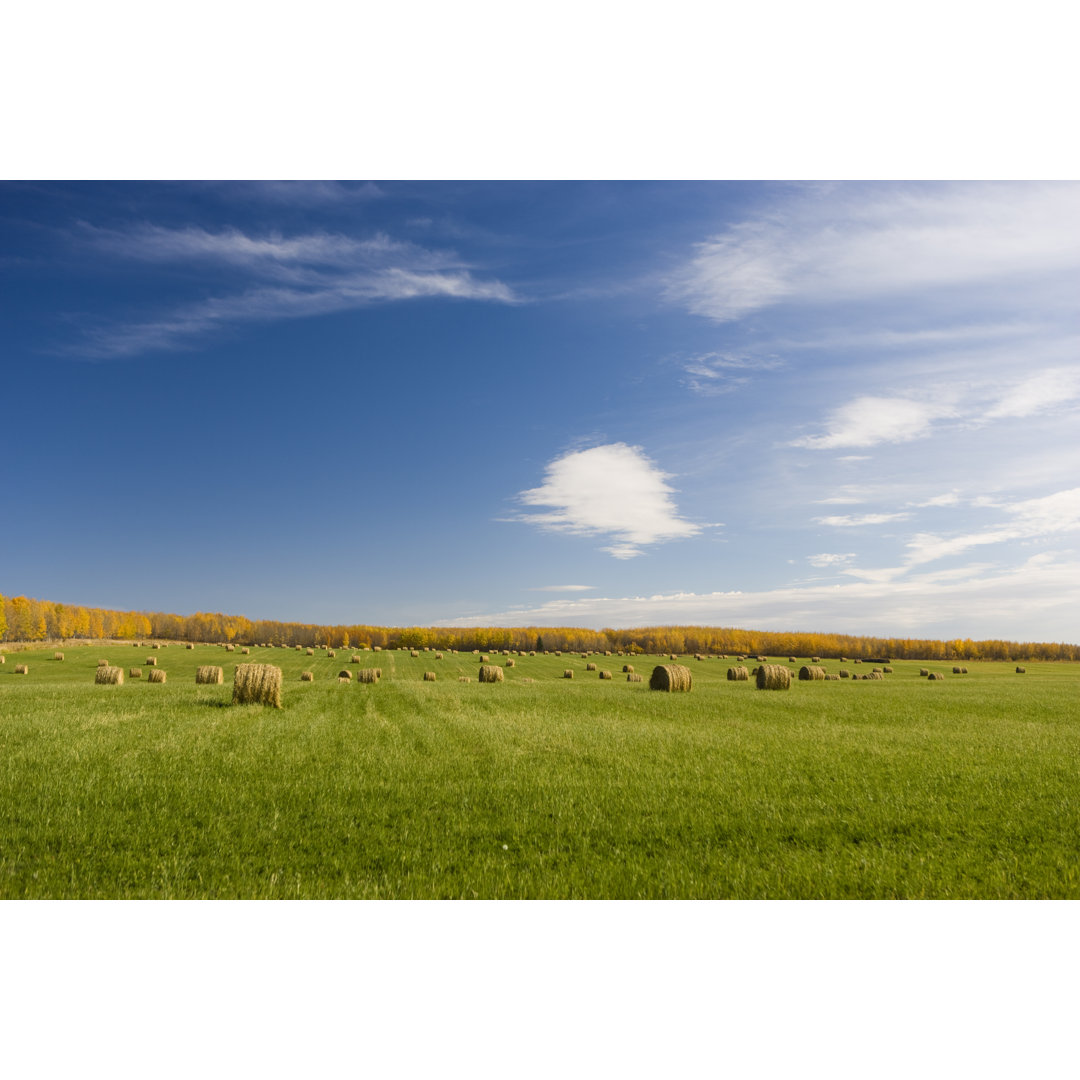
(230, 648)
(773, 677)
(306, 676)
(605, 674)
(378, 672)
(345, 674)
(832, 678)
(209, 675)
(844, 673)
(934, 676)
(963, 671)
(413, 653)
(464, 678)
(309, 652)
(368, 675)
(490, 673)
(58, 656)
(633, 678)
(878, 675)
(157, 675)
(557, 653)
(738, 674)
(510, 663)
(627, 668)
(923, 672)
(135, 673)
(811, 673)
(590, 667)
(671, 678)
(103, 663)
(856, 661)
(888, 670)
(438, 656)
(110, 676)
(245, 652)
(189, 646)
(672, 656)
(257, 684)
(151, 661)
(156, 645)
(429, 676)
(956, 671)
(1021, 670)
(484, 659)
(377, 648)
(762, 659)
(3, 659)
(568, 673)
(815, 659)
(354, 659)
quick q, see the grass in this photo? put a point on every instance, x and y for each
(549, 788)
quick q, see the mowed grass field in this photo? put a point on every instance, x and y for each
(537, 787)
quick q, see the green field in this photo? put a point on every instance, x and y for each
(537, 787)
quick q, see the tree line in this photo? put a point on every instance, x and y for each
(24, 619)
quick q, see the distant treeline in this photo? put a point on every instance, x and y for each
(24, 619)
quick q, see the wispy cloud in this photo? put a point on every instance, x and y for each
(852, 521)
(612, 489)
(722, 373)
(868, 420)
(880, 241)
(825, 560)
(284, 277)
(1034, 601)
(562, 588)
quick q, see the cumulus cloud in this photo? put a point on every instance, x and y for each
(880, 241)
(612, 490)
(286, 277)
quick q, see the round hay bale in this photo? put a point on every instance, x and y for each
(590, 667)
(876, 675)
(923, 672)
(257, 684)
(1021, 670)
(815, 659)
(887, 669)
(309, 652)
(510, 663)
(762, 659)
(151, 661)
(934, 676)
(856, 661)
(484, 659)
(963, 671)
(307, 676)
(672, 678)
(345, 674)
(22, 669)
(490, 673)
(156, 645)
(792, 660)
(811, 673)
(832, 678)
(956, 671)
(103, 663)
(738, 674)
(568, 673)
(429, 676)
(557, 653)
(377, 648)
(369, 675)
(157, 676)
(464, 678)
(633, 678)
(844, 673)
(672, 656)
(773, 677)
(230, 648)
(605, 674)
(135, 673)
(209, 674)
(627, 668)
(438, 656)
(348, 682)
(58, 656)
(189, 646)
(113, 676)
(413, 653)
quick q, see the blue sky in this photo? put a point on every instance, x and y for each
(820, 406)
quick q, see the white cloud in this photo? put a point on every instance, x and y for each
(851, 521)
(881, 241)
(824, 559)
(867, 421)
(1044, 390)
(1032, 519)
(1035, 601)
(613, 489)
(288, 277)
(562, 588)
(950, 498)
(721, 373)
